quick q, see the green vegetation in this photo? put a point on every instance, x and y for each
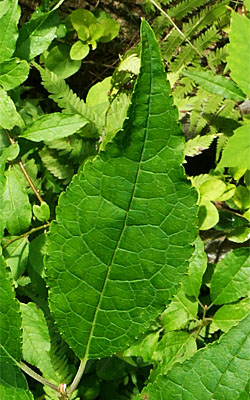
(125, 271)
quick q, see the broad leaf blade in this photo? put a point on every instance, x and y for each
(237, 150)
(122, 238)
(8, 29)
(36, 35)
(13, 72)
(219, 371)
(9, 116)
(231, 278)
(54, 126)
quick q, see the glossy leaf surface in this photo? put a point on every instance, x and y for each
(124, 227)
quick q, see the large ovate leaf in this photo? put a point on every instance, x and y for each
(238, 48)
(231, 278)
(124, 227)
(36, 35)
(54, 126)
(219, 371)
(8, 28)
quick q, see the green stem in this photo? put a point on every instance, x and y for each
(77, 378)
(176, 27)
(37, 377)
(26, 234)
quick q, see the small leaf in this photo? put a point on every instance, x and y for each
(54, 126)
(242, 197)
(13, 151)
(59, 62)
(211, 189)
(215, 84)
(237, 49)
(144, 347)
(16, 257)
(42, 212)
(231, 278)
(198, 144)
(208, 215)
(79, 50)
(8, 28)
(36, 35)
(110, 29)
(16, 204)
(13, 72)
(239, 235)
(219, 371)
(83, 33)
(236, 151)
(81, 18)
(230, 314)
(9, 116)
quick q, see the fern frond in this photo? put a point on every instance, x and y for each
(215, 58)
(56, 165)
(185, 7)
(185, 86)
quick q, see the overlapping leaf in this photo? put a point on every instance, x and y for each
(125, 225)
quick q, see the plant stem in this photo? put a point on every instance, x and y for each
(57, 5)
(176, 27)
(77, 378)
(26, 234)
(37, 377)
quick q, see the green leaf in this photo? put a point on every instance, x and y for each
(110, 29)
(8, 29)
(238, 47)
(144, 347)
(215, 84)
(247, 4)
(16, 257)
(37, 253)
(208, 215)
(10, 318)
(13, 384)
(13, 72)
(219, 371)
(54, 126)
(230, 314)
(79, 50)
(42, 212)
(59, 62)
(231, 278)
(13, 151)
(196, 269)
(36, 340)
(239, 235)
(16, 204)
(121, 241)
(237, 149)
(242, 197)
(174, 347)
(80, 18)
(198, 144)
(36, 35)
(9, 116)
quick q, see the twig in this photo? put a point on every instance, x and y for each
(176, 27)
(26, 234)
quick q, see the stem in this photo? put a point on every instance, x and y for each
(78, 377)
(57, 5)
(176, 27)
(37, 377)
(26, 234)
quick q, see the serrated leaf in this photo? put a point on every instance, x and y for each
(17, 208)
(231, 278)
(10, 318)
(36, 35)
(237, 49)
(59, 62)
(36, 340)
(219, 371)
(121, 241)
(8, 29)
(13, 384)
(54, 126)
(9, 116)
(230, 314)
(16, 256)
(198, 144)
(215, 84)
(237, 150)
(13, 72)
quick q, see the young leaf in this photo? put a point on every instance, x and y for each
(13, 72)
(125, 225)
(219, 371)
(238, 47)
(231, 278)
(54, 126)
(36, 35)
(42, 212)
(9, 116)
(215, 84)
(79, 50)
(8, 28)
(230, 314)
(17, 207)
(236, 151)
